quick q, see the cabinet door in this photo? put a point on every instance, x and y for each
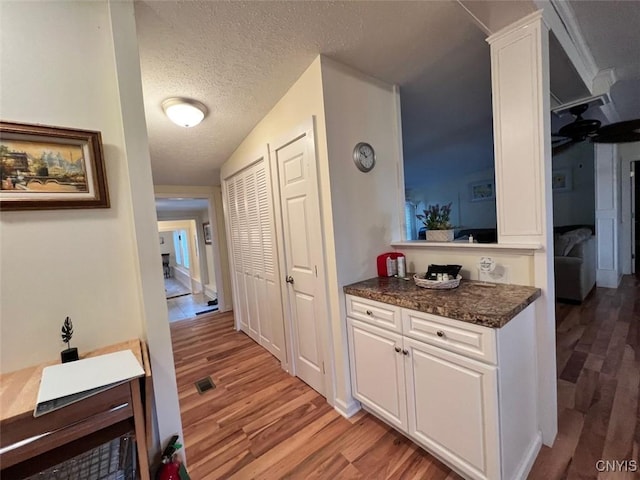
(453, 408)
(377, 371)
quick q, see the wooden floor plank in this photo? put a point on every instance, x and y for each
(599, 415)
(259, 422)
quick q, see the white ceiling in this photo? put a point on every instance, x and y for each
(239, 58)
(183, 205)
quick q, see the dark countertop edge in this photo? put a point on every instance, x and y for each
(489, 321)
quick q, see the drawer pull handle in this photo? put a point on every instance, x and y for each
(440, 333)
(397, 349)
(369, 312)
(405, 352)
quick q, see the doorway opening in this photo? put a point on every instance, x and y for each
(187, 257)
(635, 208)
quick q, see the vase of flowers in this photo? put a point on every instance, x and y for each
(436, 220)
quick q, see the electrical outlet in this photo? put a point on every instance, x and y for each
(500, 274)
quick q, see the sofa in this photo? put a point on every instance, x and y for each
(574, 262)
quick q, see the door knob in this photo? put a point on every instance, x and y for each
(405, 352)
(289, 279)
(369, 312)
(397, 349)
(440, 333)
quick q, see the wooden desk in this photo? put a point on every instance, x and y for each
(18, 395)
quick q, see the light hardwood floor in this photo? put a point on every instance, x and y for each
(262, 423)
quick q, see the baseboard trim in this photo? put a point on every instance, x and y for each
(210, 293)
(529, 459)
(608, 278)
(347, 409)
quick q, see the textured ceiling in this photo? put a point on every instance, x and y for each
(174, 205)
(611, 30)
(239, 59)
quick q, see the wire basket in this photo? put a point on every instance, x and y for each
(435, 284)
(114, 460)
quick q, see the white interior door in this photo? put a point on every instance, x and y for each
(303, 256)
(268, 282)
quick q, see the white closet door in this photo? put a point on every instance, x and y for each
(243, 242)
(268, 286)
(252, 254)
(236, 249)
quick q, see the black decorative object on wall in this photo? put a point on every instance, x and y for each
(70, 354)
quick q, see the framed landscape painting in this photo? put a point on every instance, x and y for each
(50, 168)
(484, 190)
(207, 233)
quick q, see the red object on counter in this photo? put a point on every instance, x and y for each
(382, 262)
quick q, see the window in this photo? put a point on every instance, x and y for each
(447, 138)
(410, 221)
(181, 247)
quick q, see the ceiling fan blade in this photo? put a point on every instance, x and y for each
(624, 137)
(556, 149)
(619, 132)
(618, 128)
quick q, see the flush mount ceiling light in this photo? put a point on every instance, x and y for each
(184, 111)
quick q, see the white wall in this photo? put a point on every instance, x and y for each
(365, 206)
(166, 246)
(193, 271)
(99, 266)
(457, 190)
(80, 263)
(519, 266)
(206, 252)
(577, 206)
(628, 153)
(608, 215)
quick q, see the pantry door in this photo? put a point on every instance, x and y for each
(295, 162)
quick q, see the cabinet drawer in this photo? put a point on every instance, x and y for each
(453, 335)
(375, 313)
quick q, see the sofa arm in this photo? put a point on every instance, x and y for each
(568, 273)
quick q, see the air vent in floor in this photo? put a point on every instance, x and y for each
(205, 385)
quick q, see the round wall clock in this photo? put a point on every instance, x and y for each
(364, 157)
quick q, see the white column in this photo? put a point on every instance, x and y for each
(154, 306)
(607, 215)
(522, 139)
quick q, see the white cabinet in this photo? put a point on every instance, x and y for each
(453, 407)
(464, 392)
(251, 232)
(378, 371)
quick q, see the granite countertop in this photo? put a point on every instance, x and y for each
(474, 302)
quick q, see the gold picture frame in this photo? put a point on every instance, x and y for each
(43, 167)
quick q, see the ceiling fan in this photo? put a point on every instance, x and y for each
(582, 129)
